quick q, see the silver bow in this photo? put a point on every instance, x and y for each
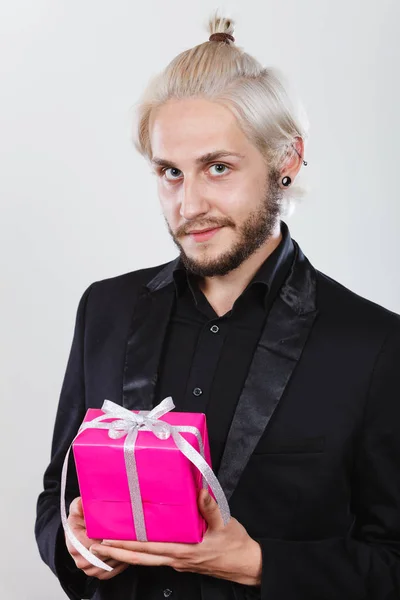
(128, 424)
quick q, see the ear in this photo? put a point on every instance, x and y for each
(293, 160)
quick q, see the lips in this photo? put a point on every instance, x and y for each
(204, 235)
(204, 230)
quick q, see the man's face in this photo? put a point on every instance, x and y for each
(238, 195)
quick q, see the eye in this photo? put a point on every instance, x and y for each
(220, 165)
(165, 169)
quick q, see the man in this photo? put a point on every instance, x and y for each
(298, 377)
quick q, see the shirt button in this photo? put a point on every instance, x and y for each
(197, 391)
(167, 593)
(214, 328)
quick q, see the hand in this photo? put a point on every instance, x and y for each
(226, 552)
(77, 523)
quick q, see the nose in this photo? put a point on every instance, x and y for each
(192, 202)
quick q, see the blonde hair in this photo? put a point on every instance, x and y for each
(258, 96)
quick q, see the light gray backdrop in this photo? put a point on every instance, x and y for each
(79, 205)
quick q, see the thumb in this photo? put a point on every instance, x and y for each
(210, 510)
(76, 509)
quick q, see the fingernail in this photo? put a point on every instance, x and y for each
(106, 543)
(93, 551)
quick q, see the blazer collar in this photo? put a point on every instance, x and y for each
(285, 333)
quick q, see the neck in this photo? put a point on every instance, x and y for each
(223, 291)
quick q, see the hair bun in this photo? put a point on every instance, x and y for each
(221, 37)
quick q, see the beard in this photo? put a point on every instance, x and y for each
(252, 234)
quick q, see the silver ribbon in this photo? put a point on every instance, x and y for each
(128, 424)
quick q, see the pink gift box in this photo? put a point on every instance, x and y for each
(169, 482)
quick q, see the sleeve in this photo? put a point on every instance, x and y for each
(49, 532)
(364, 565)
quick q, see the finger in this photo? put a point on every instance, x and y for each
(109, 575)
(133, 558)
(82, 538)
(83, 564)
(210, 510)
(77, 523)
(75, 508)
(71, 549)
(93, 571)
(161, 548)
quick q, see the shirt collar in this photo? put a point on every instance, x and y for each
(271, 272)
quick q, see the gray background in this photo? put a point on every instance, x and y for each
(78, 205)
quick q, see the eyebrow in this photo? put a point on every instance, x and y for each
(201, 160)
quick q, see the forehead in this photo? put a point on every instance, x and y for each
(190, 126)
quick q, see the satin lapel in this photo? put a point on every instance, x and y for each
(147, 331)
(279, 349)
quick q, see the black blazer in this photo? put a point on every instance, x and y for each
(311, 466)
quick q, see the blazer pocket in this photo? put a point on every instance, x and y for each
(291, 446)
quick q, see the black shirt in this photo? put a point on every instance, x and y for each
(205, 360)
